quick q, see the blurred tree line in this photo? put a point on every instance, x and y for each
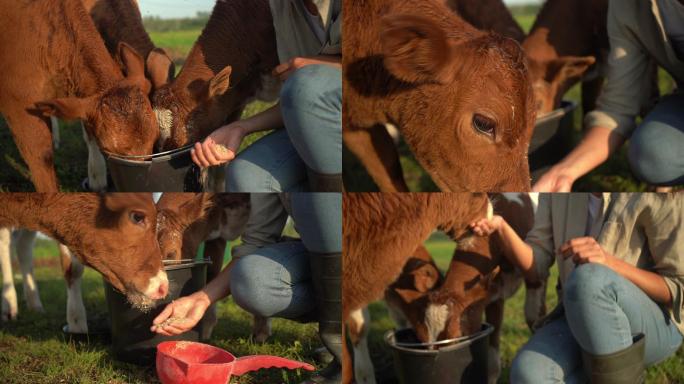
(157, 24)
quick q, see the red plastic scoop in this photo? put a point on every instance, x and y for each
(187, 362)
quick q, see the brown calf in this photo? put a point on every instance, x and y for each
(378, 228)
(236, 47)
(567, 38)
(55, 64)
(186, 220)
(114, 234)
(488, 15)
(460, 97)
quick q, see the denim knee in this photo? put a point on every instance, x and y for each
(647, 159)
(304, 88)
(248, 292)
(586, 282)
(529, 367)
(240, 177)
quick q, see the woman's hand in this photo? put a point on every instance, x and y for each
(219, 147)
(181, 315)
(284, 70)
(485, 227)
(554, 180)
(586, 250)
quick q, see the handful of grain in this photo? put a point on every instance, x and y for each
(221, 149)
(167, 322)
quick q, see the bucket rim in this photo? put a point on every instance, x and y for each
(456, 343)
(566, 107)
(149, 158)
(184, 263)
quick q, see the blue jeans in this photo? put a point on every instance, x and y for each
(311, 104)
(603, 311)
(275, 280)
(656, 146)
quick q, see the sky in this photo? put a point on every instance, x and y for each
(188, 8)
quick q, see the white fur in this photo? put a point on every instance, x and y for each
(97, 167)
(76, 313)
(165, 122)
(10, 308)
(24, 242)
(435, 320)
(155, 283)
(490, 210)
(364, 373)
(393, 131)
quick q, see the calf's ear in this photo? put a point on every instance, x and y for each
(160, 68)
(220, 83)
(567, 68)
(415, 49)
(135, 67)
(194, 208)
(70, 108)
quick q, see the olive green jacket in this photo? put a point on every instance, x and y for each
(294, 36)
(637, 38)
(645, 230)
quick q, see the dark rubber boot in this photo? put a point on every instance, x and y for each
(326, 275)
(622, 367)
(319, 182)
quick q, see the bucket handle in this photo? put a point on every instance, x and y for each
(252, 363)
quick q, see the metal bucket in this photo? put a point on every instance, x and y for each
(171, 171)
(132, 340)
(462, 360)
(551, 139)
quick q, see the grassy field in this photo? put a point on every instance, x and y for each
(613, 175)
(515, 332)
(33, 350)
(71, 157)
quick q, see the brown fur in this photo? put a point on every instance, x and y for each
(120, 21)
(567, 38)
(378, 228)
(488, 15)
(237, 42)
(420, 67)
(100, 231)
(52, 51)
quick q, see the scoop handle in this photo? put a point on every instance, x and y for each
(252, 363)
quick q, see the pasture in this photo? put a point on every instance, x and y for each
(177, 38)
(515, 332)
(33, 350)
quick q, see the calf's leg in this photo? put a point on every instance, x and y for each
(97, 167)
(34, 140)
(9, 293)
(494, 315)
(25, 240)
(375, 148)
(73, 272)
(358, 333)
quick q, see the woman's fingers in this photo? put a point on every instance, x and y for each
(198, 152)
(208, 152)
(165, 314)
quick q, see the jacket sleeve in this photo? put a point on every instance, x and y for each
(628, 83)
(540, 238)
(665, 233)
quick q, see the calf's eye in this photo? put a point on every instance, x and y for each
(137, 218)
(484, 125)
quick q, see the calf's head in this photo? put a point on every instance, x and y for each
(186, 112)
(120, 117)
(472, 118)
(552, 78)
(122, 245)
(455, 309)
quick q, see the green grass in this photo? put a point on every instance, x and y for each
(515, 332)
(32, 349)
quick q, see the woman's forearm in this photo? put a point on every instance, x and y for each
(595, 148)
(266, 120)
(219, 287)
(517, 251)
(651, 283)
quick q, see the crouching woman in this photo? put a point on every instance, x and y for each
(621, 272)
